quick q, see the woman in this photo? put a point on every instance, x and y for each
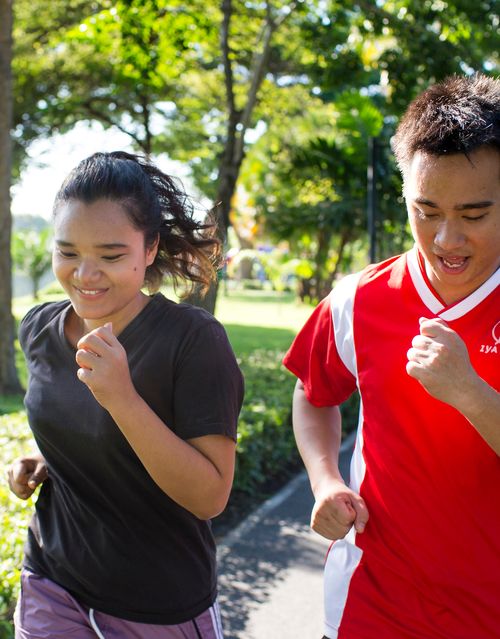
(133, 401)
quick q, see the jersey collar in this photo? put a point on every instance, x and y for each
(434, 303)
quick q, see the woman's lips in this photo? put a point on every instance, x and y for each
(90, 293)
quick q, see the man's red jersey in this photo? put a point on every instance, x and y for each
(428, 564)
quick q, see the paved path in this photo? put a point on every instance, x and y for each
(271, 568)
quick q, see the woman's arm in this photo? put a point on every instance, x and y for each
(196, 473)
(26, 474)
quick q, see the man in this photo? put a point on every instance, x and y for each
(416, 552)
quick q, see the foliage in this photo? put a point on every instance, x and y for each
(265, 438)
(309, 183)
(15, 440)
(396, 48)
(31, 254)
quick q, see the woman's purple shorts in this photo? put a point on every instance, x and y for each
(47, 611)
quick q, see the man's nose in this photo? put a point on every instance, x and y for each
(449, 236)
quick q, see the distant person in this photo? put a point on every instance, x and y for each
(133, 401)
(417, 542)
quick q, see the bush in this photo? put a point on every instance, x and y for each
(266, 445)
(15, 440)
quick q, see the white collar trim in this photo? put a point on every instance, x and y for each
(435, 305)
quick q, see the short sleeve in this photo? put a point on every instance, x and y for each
(208, 385)
(313, 357)
(26, 326)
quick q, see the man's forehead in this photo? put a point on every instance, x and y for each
(472, 179)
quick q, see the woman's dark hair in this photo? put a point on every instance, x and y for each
(187, 249)
(458, 115)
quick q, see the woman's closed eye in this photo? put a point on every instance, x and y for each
(66, 254)
(112, 258)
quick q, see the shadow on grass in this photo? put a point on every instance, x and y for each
(246, 339)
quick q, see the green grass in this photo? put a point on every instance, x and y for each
(262, 309)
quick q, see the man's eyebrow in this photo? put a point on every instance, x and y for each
(109, 246)
(459, 207)
(474, 205)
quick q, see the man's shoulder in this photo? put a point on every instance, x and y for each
(385, 271)
(372, 279)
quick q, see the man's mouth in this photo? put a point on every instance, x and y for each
(453, 263)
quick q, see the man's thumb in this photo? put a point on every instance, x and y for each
(362, 515)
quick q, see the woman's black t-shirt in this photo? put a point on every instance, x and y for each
(102, 528)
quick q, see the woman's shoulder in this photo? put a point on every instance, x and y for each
(183, 314)
(45, 312)
(188, 326)
(40, 316)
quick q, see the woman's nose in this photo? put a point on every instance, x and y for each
(87, 271)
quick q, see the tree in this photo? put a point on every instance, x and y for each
(193, 79)
(308, 181)
(31, 254)
(396, 49)
(9, 382)
(309, 184)
(159, 60)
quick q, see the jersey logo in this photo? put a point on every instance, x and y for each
(492, 348)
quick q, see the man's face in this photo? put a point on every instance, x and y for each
(454, 211)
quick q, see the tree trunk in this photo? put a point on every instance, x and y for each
(324, 237)
(238, 122)
(344, 239)
(9, 382)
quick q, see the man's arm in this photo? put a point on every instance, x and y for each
(318, 434)
(439, 360)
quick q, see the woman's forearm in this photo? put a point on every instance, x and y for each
(197, 474)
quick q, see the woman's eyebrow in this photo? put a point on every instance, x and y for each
(110, 245)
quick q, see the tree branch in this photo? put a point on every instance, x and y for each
(227, 11)
(105, 117)
(259, 66)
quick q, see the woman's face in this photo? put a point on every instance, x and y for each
(100, 260)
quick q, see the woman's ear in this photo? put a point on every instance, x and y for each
(151, 251)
